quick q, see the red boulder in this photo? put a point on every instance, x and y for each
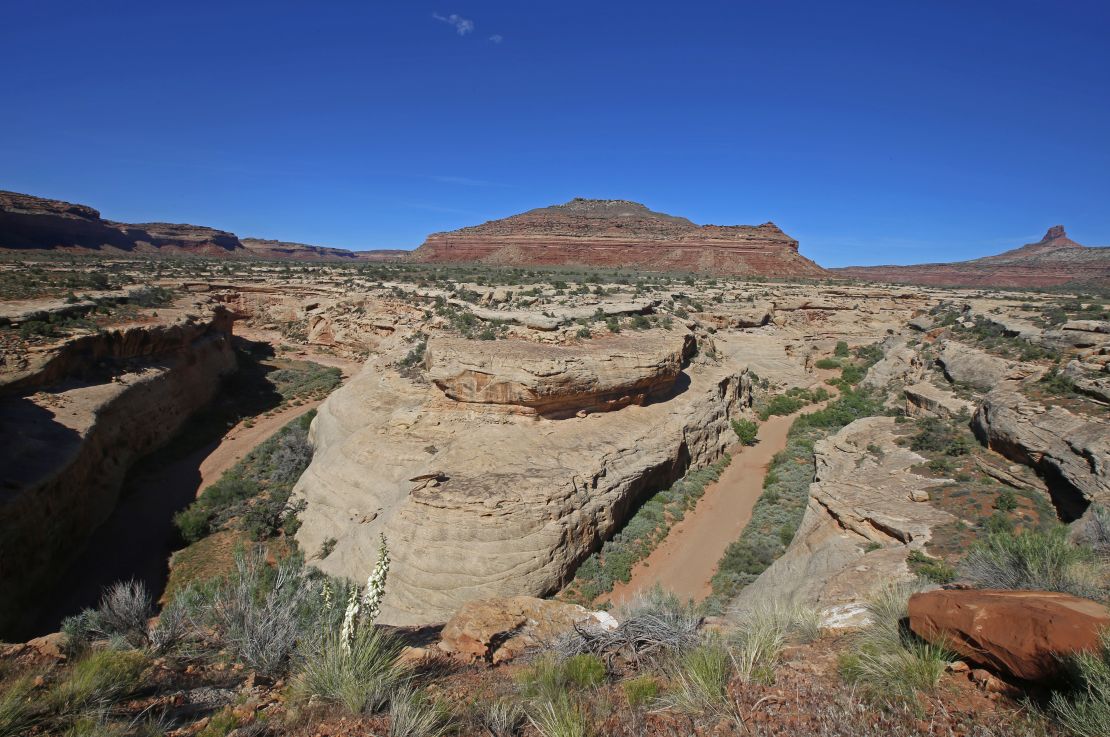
(1020, 633)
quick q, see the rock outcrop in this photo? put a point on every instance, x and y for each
(75, 421)
(497, 630)
(556, 380)
(923, 398)
(964, 364)
(1071, 452)
(1052, 261)
(1022, 634)
(621, 234)
(864, 496)
(480, 502)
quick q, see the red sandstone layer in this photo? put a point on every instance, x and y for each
(621, 234)
(1053, 261)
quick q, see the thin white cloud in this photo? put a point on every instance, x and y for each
(462, 25)
(466, 181)
(497, 38)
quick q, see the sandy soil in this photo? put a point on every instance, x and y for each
(687, 558)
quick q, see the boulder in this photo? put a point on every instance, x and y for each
(500, 629)
(1023, 634)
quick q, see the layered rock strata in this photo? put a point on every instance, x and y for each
(1071, 452)
(477, 501)
(75, 421)
(621, 234)
(1051, 261)
(558, 380)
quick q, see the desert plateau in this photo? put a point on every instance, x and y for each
(599, 371)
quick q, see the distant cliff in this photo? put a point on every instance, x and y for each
(622, 234)
(1052, 261)
(29, 223)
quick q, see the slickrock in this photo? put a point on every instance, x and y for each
(498, 630)
(1023, 634)
(860, 495)
(558, 379)
(621, 234)
(523, 498)
(923, 398)
(900, 364)
(1071, 452)
(964, 364)
(1052, 261)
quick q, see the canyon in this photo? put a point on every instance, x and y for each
(533, 444)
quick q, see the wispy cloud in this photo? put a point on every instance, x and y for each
(466, 181)
(462, 25)
(497, 38)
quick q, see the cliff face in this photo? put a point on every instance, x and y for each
(1051, 261)
(75, 425)
(621, 234)
(29, 223)
(34, 223)
(280, 250)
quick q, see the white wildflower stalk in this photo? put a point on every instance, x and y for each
(375, 585)
(350, 621)
(327, 595)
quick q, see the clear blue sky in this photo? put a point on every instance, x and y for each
(892, 131)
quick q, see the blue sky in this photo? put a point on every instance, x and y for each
(874, 132)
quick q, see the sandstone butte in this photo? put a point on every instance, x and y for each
(1051, 261)
(29, 223)
(621, 234)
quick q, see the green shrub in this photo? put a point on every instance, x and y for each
(888, 661)
(256, 490)
(1036, 560)
(781, 405)
(699, 679)
(841, 350)
(584, 671)
(16, 716)
(561, 716)
(746, 430)
(1006, 501)
(936, 435)
(360, 679)
(413, 714)
(933, 569)
(1085, 711)
(640, 691)
(97, 680)
(827, 363)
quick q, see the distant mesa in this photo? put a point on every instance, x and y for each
(621, 234)
(29, 223)
(1054, 260)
